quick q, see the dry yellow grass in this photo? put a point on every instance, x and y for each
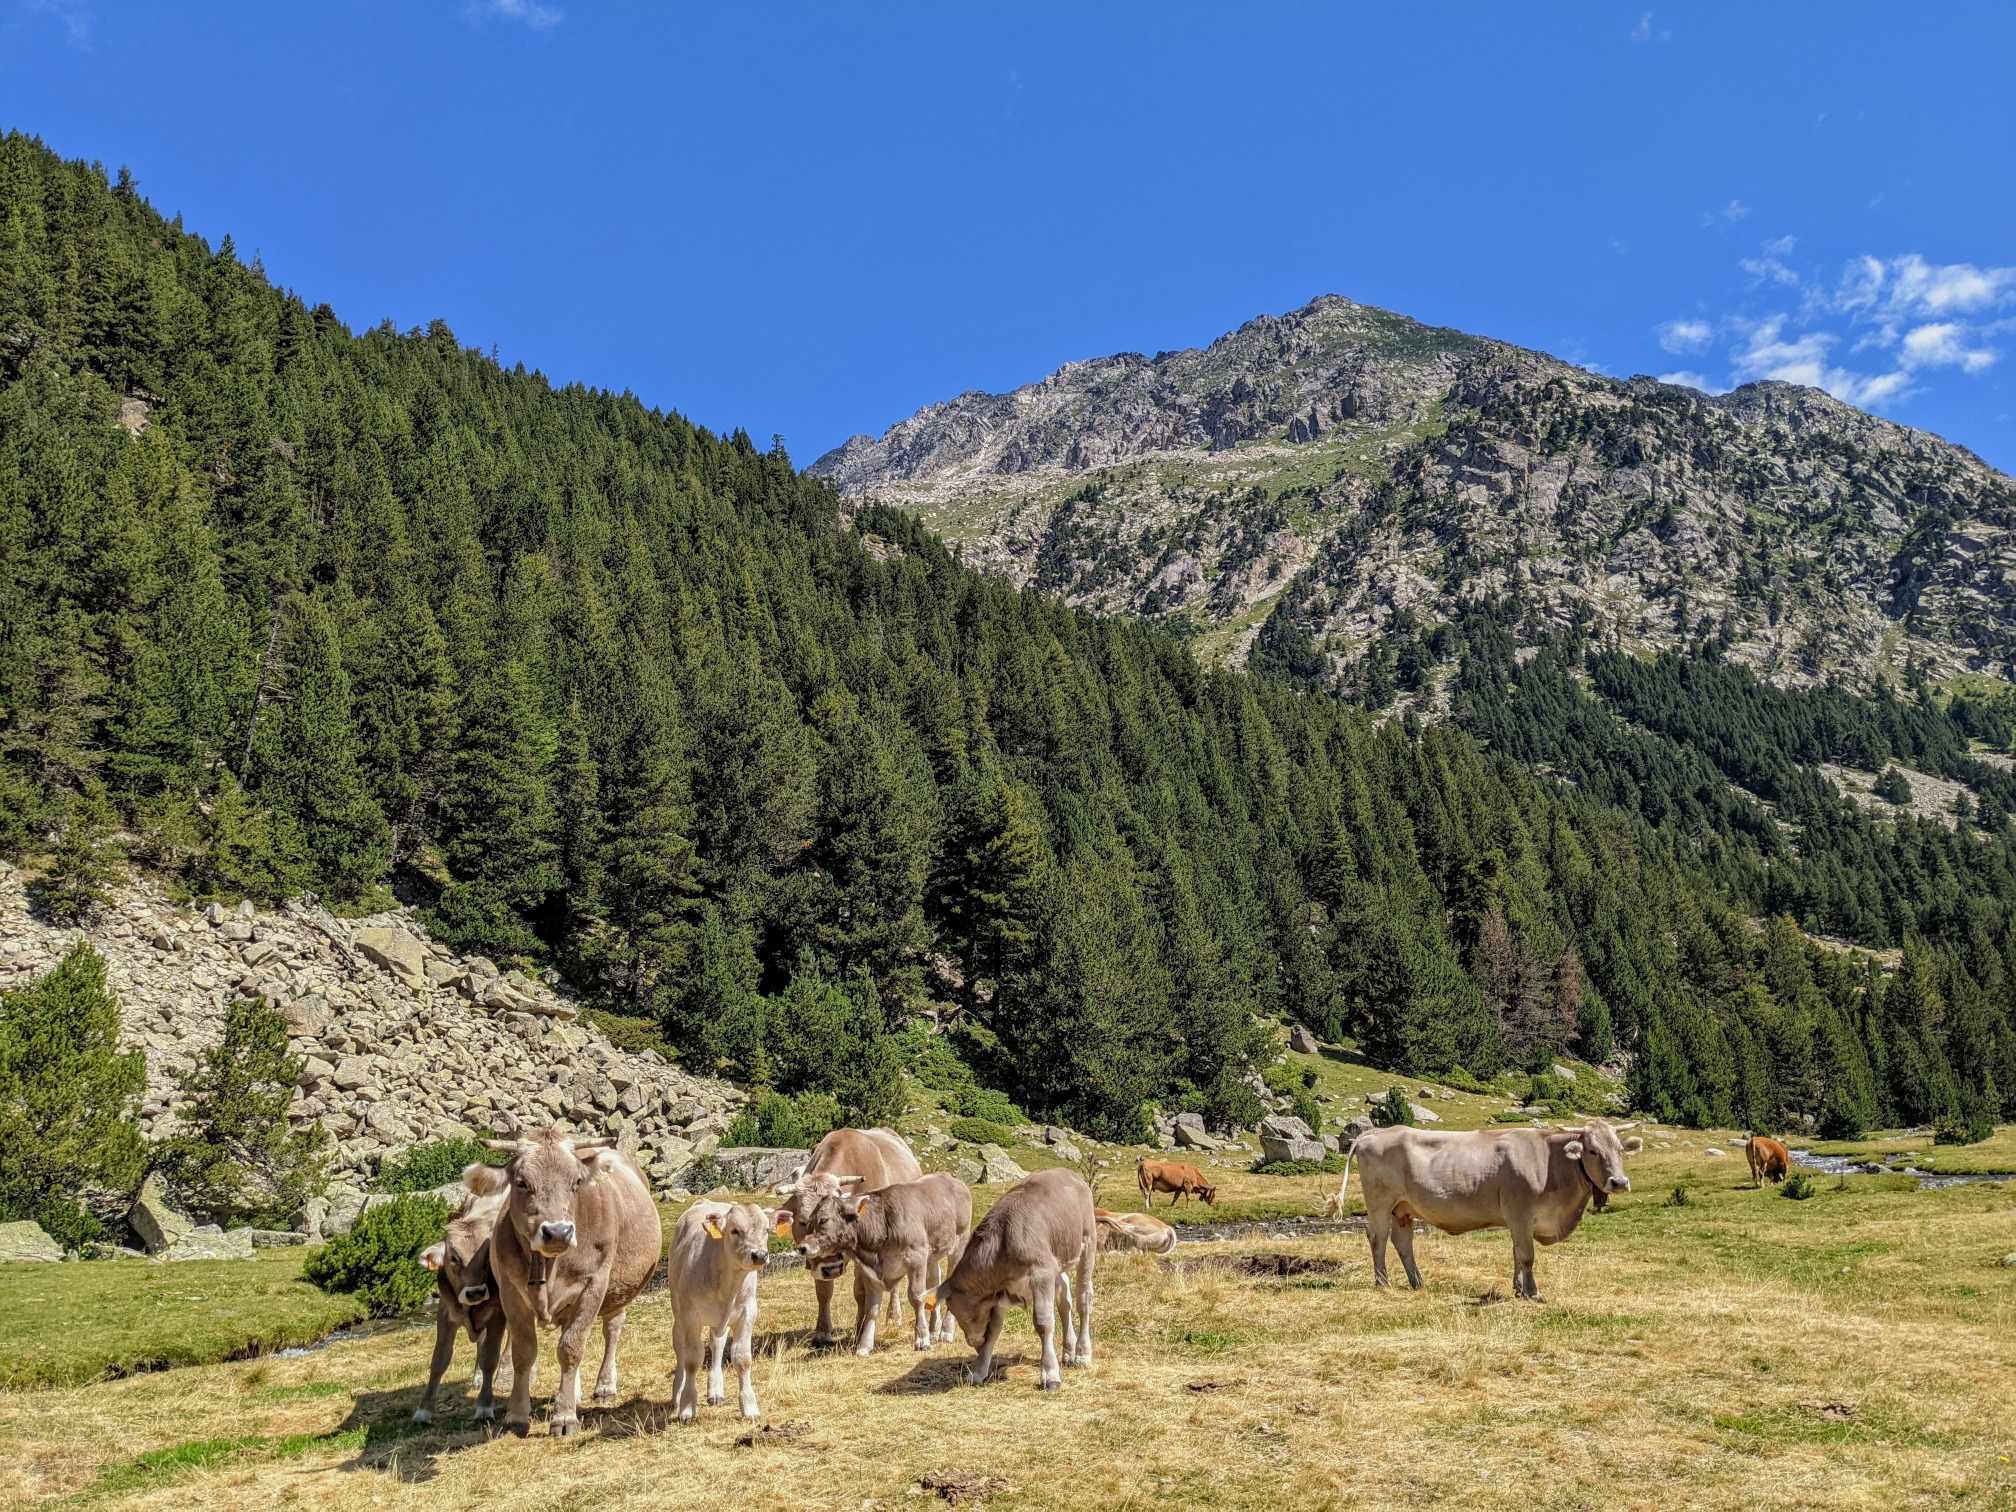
(1685, 1359)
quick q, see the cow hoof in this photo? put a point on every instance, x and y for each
(863, 1351)
(564, 1428)
(512, 1425)
(686, 1414)
(603, 1394)
(923, 1346)
(422, 1415)
(714, 1401)
(975, 1379)
(486, 1414)
(822, 1341)
(752, 1412)
(1049, 1385)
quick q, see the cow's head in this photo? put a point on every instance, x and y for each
(826, 1235)
(544, 1181)
(975, 1313)
(1601, 1154)
(1210, 1194)
(462, 1257)
(743, 1231)
(803, 1198)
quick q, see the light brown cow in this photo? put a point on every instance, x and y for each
(461, 1266)
(912, 1232)
(852, 1160)
(1769, 1160)
(1172, 1176)
(578, 1240)
(1134, 1231)
(718, 1253)
(1037, 1237)
(1535, 1183)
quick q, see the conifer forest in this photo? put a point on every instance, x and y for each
(288, 607)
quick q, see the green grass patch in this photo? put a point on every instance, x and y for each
(1202, 1343)
(68, 1324)
(1573, 1318)
(177, 1462)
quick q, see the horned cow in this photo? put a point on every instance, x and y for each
(911, 1232)
(846, 1160)
(466, 1297)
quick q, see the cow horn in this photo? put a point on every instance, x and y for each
(789, 1189)
(599, 1142)
(1620, 1128)
(844, 1180)
(513, 1145)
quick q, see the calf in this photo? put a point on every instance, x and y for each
(1769, 1160)
(461, 1266)
(1031, 1241)
(850, 1160)
(578, 1240)
(718, 1253)
(912, 1232)
(1134, 1231)
(1172, 1176)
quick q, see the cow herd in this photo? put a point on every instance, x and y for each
(567, 1233)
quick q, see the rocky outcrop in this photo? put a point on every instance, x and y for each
(1367, 479)
(402, 1040)
(25, 1241)
(1285, 1137)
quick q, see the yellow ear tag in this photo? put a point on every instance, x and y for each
(712, 1226)
(783, 1224)
(931, 1300)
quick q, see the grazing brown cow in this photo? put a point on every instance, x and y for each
(461, 1266)
(1134, 1231)
(1172, 1176)
(911, 1232)
(852, 1160)
(1769, 1160)
(1534, 1182)
(578, 1240)
(1031, 1242)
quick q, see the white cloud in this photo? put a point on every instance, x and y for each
(1781, 246)
(1767, 352)
(1643, 32)
(1768, 270)
(1909, 286)
(1729, 214)
(530, 12)
(1944, 345)
(1699, 381)
(1686, 335)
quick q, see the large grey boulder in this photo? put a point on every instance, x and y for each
(1190, 1134)
(1285, 1137)
(757, 1168)
(211, 1243)
(1354, 1129)
(995, 1166)
(26, 1241)
(1303, 1042)
(395, 950)
(158, 1225)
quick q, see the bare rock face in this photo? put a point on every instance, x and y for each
(25, 1241)
(1285, 1137)
(159, 1226)
(1332, 484)
(1302, 1042)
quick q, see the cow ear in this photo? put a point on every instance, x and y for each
(1572, 1149)
(483, 1179)
(432, 1256)
(1633, 1145)
(712, 1225)
(780, 1222)
(604, 1162)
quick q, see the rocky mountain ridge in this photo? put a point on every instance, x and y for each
(402, 1040)
(1362, 479)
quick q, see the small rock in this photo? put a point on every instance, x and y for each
(395, 950)
(26, 1241)
(1303, 1042)
(1425, 1115)
(1711, 1150)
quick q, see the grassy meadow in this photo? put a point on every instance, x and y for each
(1857, 1349)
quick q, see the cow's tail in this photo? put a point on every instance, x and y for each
(1334, 1208)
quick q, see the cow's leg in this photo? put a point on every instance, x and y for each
(686, 1380)
(445, 1329)
(1378, 1225)
(1403, 1241)
(605, 1380)
(524, 1355)
(947, 1328)
(745, 1327)
(983, 1363)
(1043, 1313)
(920, 1312)
(716, 1394)
(486, 1365)
(1067, 1317)
(895, 1307)
(867, 1308)
(1522, 1261)
(1086, 1262)
(822, 1332)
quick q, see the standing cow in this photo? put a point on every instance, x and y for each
(1035, 1239)
(578, 1241)
(467, 1299)
(910, 1232)
(718, 1253)
(1769, 1160)
(847, 1160)
(1535, 1183)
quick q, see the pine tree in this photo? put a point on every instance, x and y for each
(69, 1148)
(76, 881)
(235, 1158)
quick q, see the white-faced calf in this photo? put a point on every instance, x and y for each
(718, 1253)
(911, 1232)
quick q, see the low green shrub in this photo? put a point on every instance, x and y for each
(1679, 1198)
(1463, 1081)
(1329, 1165)
(789, 1123)
(1396, 1109)
(427, 1166)
(980, 1131)
(377, 1261)
(1968, 1121)
(1798, 1187)
(985, 1102)
(635, 1035)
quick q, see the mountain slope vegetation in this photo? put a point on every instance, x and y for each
(287, 606)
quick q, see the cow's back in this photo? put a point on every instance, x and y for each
(617, 1207)
(880, 1157)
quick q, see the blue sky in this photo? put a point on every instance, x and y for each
(813, 219)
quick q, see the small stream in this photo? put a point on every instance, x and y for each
(363, 1328)
(1841, 1165)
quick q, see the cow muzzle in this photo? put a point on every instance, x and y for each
(470, 1296)
(554, 1238)
(1619, 1183)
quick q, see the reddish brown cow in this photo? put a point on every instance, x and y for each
(1769, 1160)
(1172, 1176)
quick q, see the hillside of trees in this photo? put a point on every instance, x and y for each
(284, 606)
